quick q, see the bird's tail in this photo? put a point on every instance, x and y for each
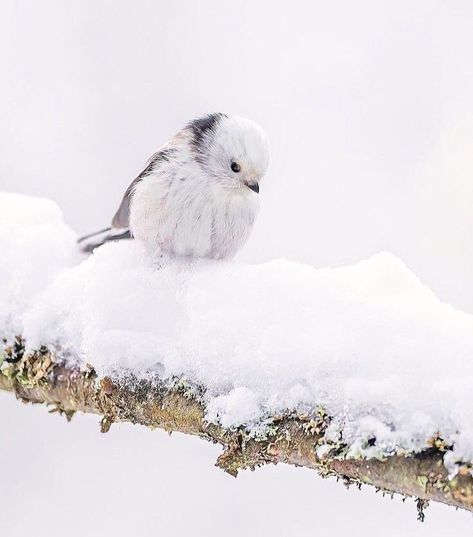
(88, 243)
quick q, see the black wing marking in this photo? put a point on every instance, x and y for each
(121, 220)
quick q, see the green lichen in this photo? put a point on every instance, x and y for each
(422, 481)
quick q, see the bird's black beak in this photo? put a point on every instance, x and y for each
(253, 186)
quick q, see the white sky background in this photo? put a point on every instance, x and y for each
(369, 109)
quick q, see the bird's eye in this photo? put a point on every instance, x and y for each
(235, 167)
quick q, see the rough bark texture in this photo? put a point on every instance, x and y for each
(292, 439)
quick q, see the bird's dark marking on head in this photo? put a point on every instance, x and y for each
(201, 128)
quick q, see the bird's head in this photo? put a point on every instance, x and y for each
(232, 150)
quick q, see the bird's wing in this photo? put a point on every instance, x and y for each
(121, 220)
(122, 216)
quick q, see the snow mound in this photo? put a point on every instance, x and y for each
(35, 246)
(370, 343)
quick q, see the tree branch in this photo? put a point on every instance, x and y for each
(176, 406)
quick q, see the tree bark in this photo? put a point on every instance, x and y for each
(39, 377)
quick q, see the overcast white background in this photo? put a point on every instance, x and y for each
(369, 109)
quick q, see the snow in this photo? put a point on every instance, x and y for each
(35, 247)
(369, 343)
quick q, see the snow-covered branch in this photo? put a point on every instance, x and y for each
(176, 406)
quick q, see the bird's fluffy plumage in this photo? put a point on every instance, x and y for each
(197, 196)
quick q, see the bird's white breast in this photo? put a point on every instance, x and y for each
(182, 216)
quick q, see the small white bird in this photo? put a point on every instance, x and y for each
(198, 195)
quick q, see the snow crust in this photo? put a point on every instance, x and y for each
(369, 343)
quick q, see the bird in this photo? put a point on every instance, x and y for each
(198, 195)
